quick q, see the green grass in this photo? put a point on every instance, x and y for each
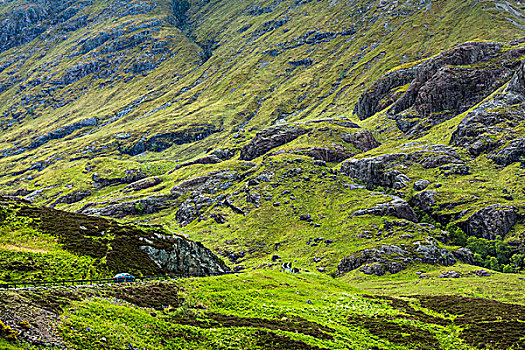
(271, 310)
(264, 298)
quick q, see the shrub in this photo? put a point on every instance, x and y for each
(518, 261)
(24, 324)
(6, 332)
(492, 263)
(457, 236)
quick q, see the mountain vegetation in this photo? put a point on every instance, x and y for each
(377, 145)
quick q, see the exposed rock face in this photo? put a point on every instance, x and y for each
(279, 135)
(362, 139)
(424, 200)
(63, 131)
(510, 153)
(456, 89)
(207, 184)
(270, 138)
(489, 129)
(490, 222)
(335, 153)
(123, 247)
(183, 256)
(188, 184)
(145, 183)
(162, 141)
(377, 171)
(392, 258)
(440, 87)
(70, 198)
(373, 172)
(25, 23)
(369, 102)
(131, 176)
(254, 198)
(397, 208)
(420, 185)
(199, 190)
(148, 205)
(464, 255)
(209, 159)
(223, 154)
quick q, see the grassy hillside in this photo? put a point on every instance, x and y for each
(265, 62)
(378, 146)
(271, 310)
(42, 244)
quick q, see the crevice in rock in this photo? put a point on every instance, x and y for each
(181, 21)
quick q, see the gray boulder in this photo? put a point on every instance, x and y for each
(398, 208)
(420, 185)
(177, 254)
(490, 222)
(424, 200)
(373, 171)
(148, 205)
(362, 139)
(464, 255)
(145, 183)
(270, 138)
(392, 258)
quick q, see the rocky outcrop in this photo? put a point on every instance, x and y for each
(393, 258)
(456, 89)
(439, 87)
(182, 255)
(208, 184)
(363, 140)
(209, 159)
(516, 85)
(397, 208)
(424, 200)
(334, 153)
(145, 183)
(131, 176)
(419, 75)
(201, 193)
(513, 152)
(420, 185)
(64, 131)
(380, 170)
(148, 205)
(223, 153)
(24, 23)
(373, 172)
(491, 133)
(122, 247)
(72, 197)
(162, 141)
(490, 222)
(81, 70)
(270, 138)
(186, 213)
(490, 128)
(279, 135)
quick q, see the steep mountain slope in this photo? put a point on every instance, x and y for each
(275, 130)
(379, 142)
